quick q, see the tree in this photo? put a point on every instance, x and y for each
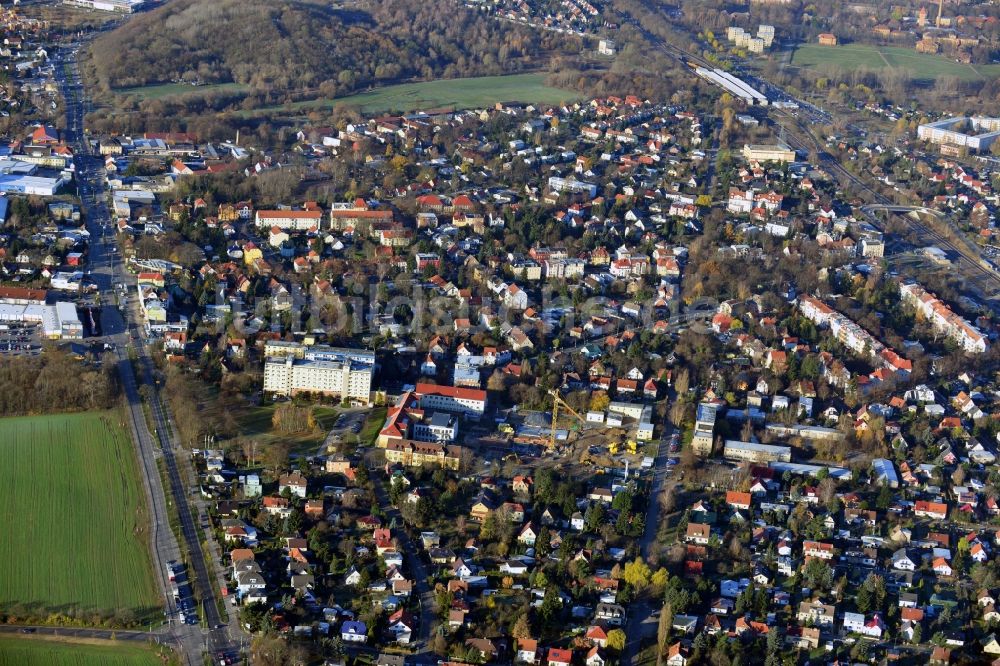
(522, 626)
(440, 644)
(775, 639)
(884, 498)
(665, 625)
(637, 574)
(660, 579)
(599, 401)
(616, 640)
(817, 574)
(594, 517)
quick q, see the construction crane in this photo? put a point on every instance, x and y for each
(556, 402)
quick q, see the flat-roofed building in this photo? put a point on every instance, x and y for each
(768, 153)
(704, 428)
(756, 453)
(295, 220)
(344, 379)
(977, 133)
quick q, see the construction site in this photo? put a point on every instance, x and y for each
(610, 438)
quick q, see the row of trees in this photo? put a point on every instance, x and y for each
(55, 380)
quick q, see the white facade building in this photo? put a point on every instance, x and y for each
(345, 379)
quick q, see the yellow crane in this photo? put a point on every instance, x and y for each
(556, 402)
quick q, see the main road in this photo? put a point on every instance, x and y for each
(122, 333)
(641, 611)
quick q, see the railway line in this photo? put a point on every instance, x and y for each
(980, 276)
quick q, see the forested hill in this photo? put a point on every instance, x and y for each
(282, 45)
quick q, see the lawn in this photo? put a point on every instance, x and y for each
(162, 90)
(921, 66)
(373, 425)
(255, 424)
(40, 652)
(75, 521)
(452, 93)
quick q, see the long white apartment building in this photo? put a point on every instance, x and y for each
(343, 378)
(849, 333)
(288, 220)
(976, 133)
(943, 318)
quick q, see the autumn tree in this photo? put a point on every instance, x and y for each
(637, 574)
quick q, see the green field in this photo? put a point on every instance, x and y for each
(75, 522)
(920, 66)
(37, 652)
(453, 93)
(180, 89)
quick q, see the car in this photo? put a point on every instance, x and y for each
(28, 630)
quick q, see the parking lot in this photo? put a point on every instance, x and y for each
(20, 339)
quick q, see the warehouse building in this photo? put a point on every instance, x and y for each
(59, 320)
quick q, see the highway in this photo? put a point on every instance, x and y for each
(122, 333)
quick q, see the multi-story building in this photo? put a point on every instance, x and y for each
(849, 333)
(345, 379)
(453, 399)
(416, 454)
(943, 318)
(704, 428)
(437, 427)
(282, 348)
(573, 186)
(295, 220)
(976, 133)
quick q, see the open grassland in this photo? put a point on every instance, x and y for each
(75, 522)
(451, 93)
(920, 66)
(40, 652)
(180, 90)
